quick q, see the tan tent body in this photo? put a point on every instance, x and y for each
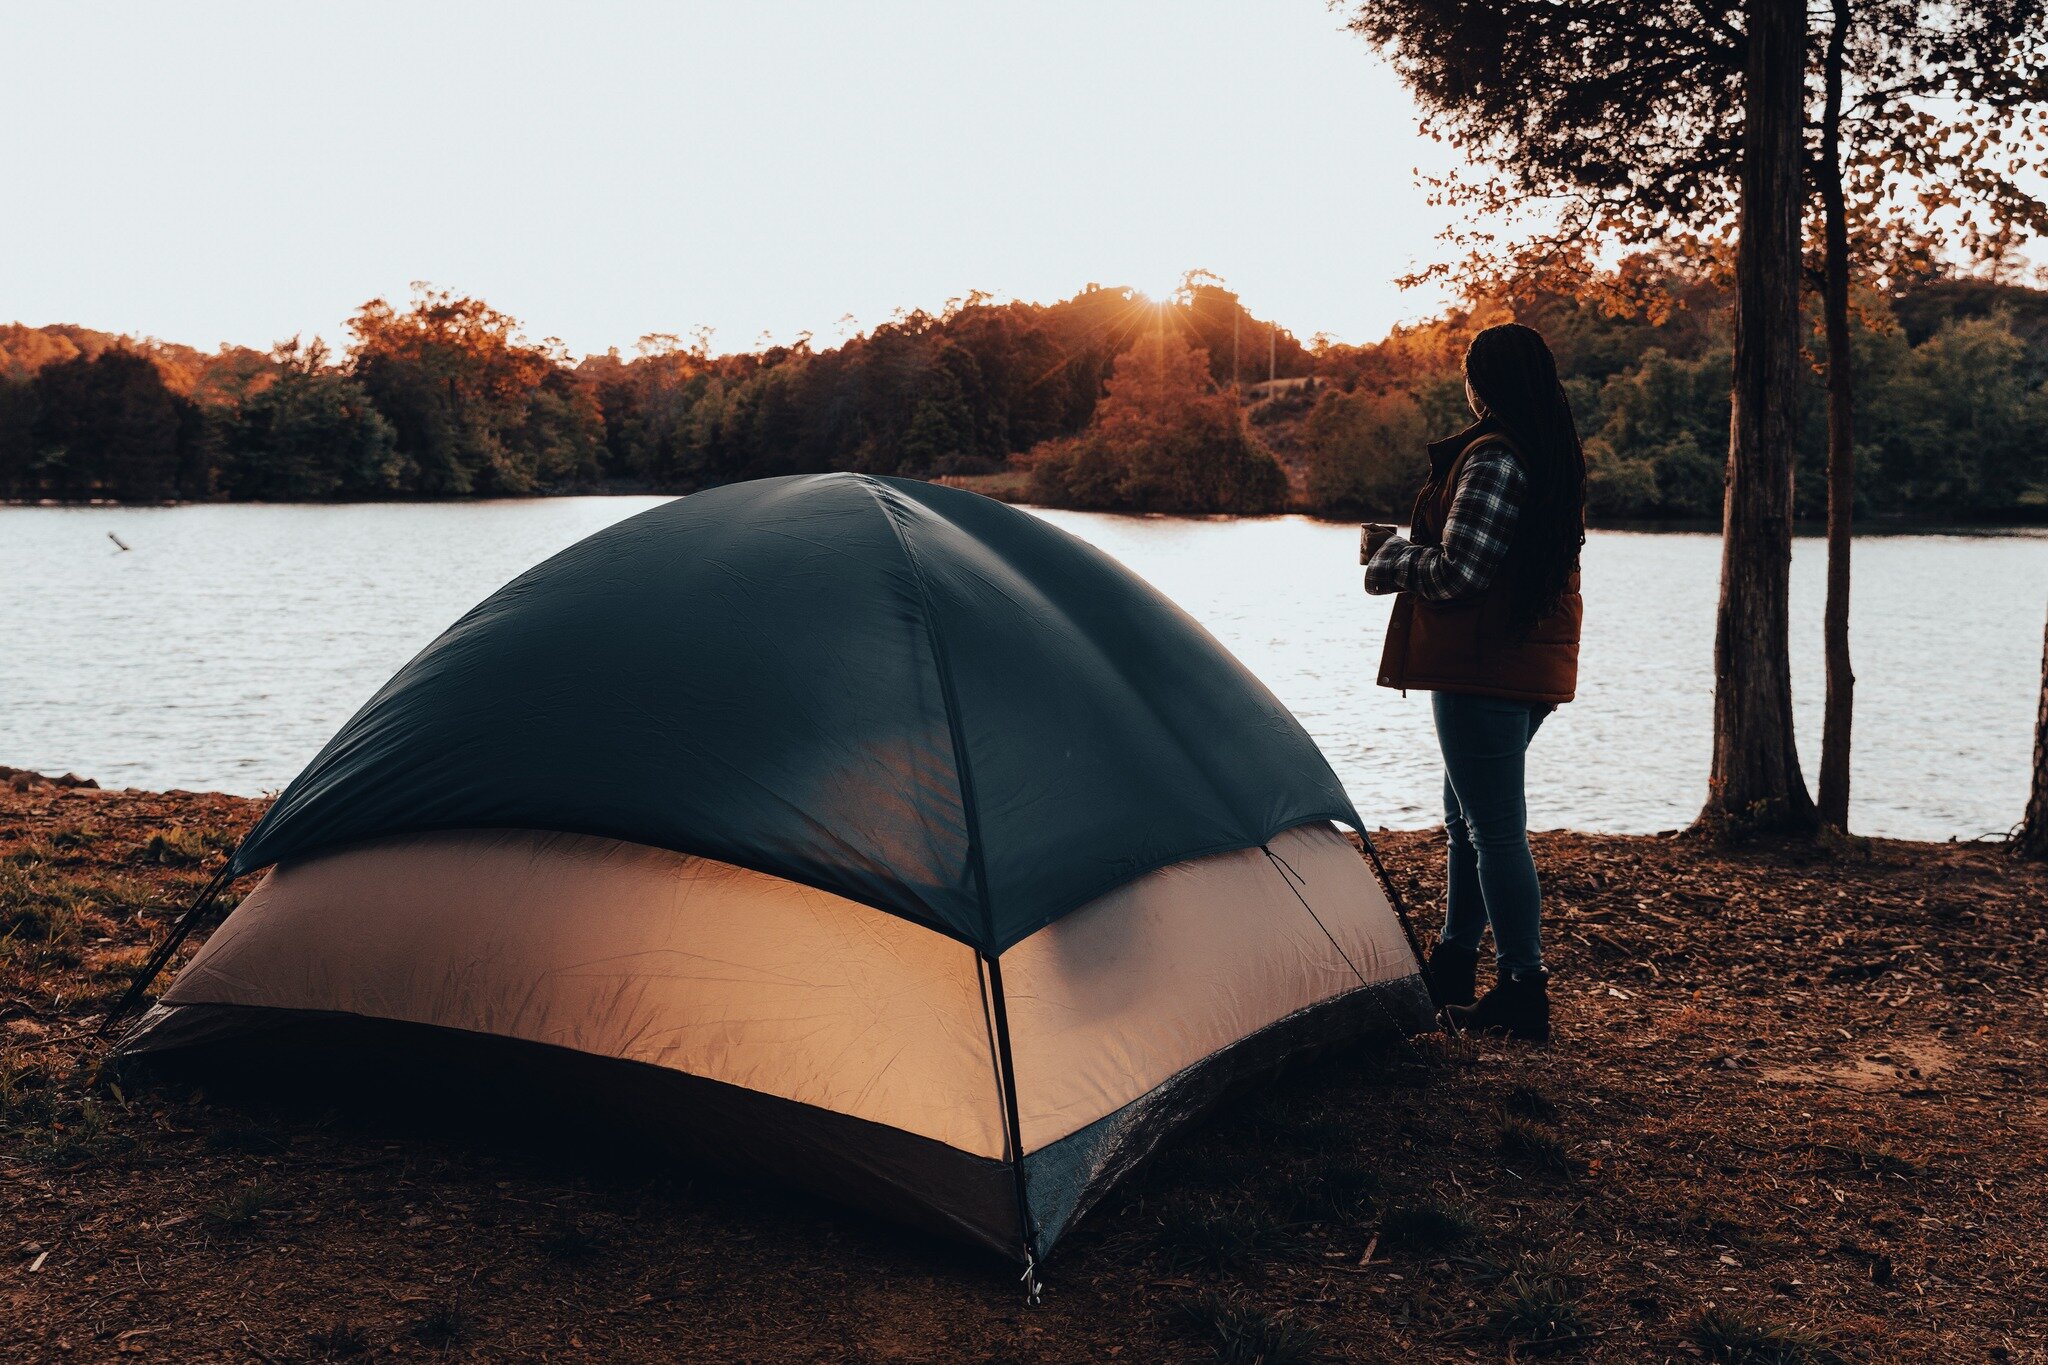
(813, 1034)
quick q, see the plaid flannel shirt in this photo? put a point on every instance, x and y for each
(1475, 540)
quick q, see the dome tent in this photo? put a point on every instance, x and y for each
(868, 832)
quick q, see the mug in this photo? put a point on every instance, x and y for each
(1365, 537)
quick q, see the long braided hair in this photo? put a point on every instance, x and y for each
(1514, 376)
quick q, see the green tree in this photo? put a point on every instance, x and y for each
(1364, 452)
(310, 433)
(18, 448)
(1658, 448)
(560, 437)
(1953, 427)
(108, 425)
(949, 415)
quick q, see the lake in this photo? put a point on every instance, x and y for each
(223, 649)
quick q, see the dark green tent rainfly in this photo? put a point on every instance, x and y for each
(916, 697)
(794, 703)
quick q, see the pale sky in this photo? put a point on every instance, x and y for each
(211, 173)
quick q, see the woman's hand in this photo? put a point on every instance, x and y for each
(1374, 535)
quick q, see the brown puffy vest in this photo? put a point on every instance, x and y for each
(1473, 645)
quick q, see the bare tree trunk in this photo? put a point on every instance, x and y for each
(1841, 680)
(1756, 780)
(2033, 838)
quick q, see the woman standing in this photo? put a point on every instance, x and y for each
(1487, 621)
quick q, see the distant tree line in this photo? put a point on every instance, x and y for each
(1104, 400)
(1953, 419)
(446, 398)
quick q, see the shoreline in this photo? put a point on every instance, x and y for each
(1794, 1087)
(23, 780)
(1867, 526)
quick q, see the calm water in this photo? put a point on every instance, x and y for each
(230, 642)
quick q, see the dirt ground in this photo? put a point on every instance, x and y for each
(1795, 1113)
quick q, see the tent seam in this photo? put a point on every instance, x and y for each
(1346, 813)
(963, 770)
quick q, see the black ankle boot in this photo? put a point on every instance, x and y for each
(1517, 1007)
(1453, 974)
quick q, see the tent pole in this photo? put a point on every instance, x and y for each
(995, 986)
(161, 958)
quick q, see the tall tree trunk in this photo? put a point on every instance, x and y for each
(1756, 780)
(1841, 681)
(2034, 831)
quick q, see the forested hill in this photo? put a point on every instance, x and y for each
(1105, 399)
(446, 398)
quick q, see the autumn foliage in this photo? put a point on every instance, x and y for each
(1164, 439)
(476, 408)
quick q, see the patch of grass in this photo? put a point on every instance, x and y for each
(119, 972)
(1530, 1143)
(1530, 1103)
(1212, 1236)
(1538, 1305)
(1733, 1339)
(28, 1087)
(63, 955)
(1245, 1334)
(338, 1341)
(1250, 1336)
(1422, 1306)
(1427, 1225)
(32, 853)
(240, 1208)
(84, 1136)
(45, 914)
(177, 847)
(35, 909)
(442, 1327)
(1693, 1022)
(1456, 1051)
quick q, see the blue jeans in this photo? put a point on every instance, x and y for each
(1489, 877)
